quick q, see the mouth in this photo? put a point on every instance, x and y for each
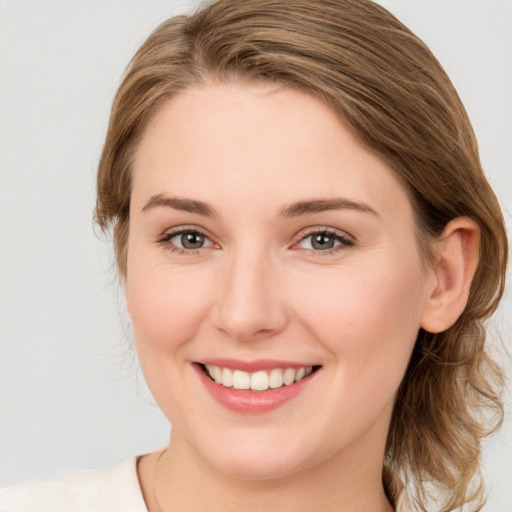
(255, 387)
(261, 380)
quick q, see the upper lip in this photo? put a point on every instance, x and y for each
(252, 366)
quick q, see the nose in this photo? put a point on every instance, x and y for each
(250, 304)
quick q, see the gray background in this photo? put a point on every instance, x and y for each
(71, 394)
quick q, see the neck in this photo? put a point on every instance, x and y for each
(347, 482)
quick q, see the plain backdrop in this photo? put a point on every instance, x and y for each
(71, 394)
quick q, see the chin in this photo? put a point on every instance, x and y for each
(259, 469)
(258, 460)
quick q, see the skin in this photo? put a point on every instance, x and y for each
(258, 290)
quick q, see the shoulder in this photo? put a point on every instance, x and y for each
(112, 489)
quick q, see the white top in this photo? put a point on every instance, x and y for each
(112, 489)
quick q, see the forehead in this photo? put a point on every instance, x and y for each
(225, 141)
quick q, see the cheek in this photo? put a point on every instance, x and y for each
(165, 304)
(166, 307)
(368, 318)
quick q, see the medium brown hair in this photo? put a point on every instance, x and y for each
(388, 87)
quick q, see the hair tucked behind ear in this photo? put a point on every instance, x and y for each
(389, 88)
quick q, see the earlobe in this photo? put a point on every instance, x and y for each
(456, 261)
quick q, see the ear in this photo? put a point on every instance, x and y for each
(456, 261)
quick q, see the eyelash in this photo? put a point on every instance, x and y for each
(344, 240)
(165, 240)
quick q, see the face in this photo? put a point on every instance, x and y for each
(269, 250)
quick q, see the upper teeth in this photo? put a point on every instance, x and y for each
(257, 381)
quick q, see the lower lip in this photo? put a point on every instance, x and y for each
(252, 401)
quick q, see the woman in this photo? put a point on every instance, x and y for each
(308, 247)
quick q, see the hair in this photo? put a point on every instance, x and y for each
(387, 86)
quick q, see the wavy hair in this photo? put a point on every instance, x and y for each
(384, 82)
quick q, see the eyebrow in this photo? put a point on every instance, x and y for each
(321, 205)
(294, 210)
(178, 203)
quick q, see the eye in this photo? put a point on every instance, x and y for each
(324, 240)
(187, 240)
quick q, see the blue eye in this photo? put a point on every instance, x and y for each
(187, 240)
(324, 241)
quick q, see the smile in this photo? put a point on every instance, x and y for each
(256, 381)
